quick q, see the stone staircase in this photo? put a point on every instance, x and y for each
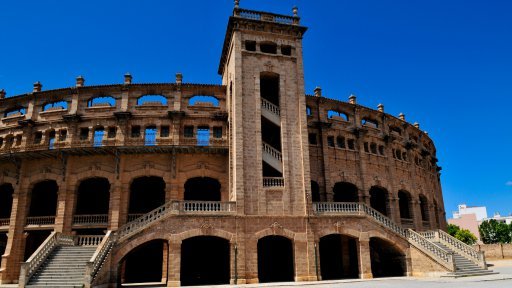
(463, 266)
(65, 267)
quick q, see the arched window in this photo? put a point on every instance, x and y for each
(370, 123)
(152, 100)
(93, 196)
(337, 115)
(379, 199)
(424, 209)
(405, 203)
(345, 192)
(102, 101)
(51, 139)
(268, 47)
(57, 105)
(43, 201)
(146, 194)
(204, 101)
(308, 111)
(18, 111)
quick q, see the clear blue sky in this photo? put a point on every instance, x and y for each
(445, 64)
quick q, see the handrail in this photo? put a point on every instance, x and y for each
(265, 16)
(29, 267)
(270, 106)
(205, 206)
(462, 248)
(444, 258)
(272, 151)
(142, 221)
(416, 239)
(97, 260)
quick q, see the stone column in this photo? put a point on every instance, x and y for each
(165, 262)
(114, 221)
(237, 263)
(365, 263)
(69, 204)
(394, 210)
(251, 262)
(416, 215)
(174, 263)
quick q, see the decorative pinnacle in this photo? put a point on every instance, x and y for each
(237, 4)
(401, 116)
(380, 107)
(295, 11)
(127, 78)
(37, 87)
(179, 78)
(318, 91)
(352, 99)
(416, 124)
(80, 81)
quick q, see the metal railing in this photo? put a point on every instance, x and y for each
(273, 182)
(90, 219)
(40, 220)
(98, 259)
(272, 151)
(274, 109)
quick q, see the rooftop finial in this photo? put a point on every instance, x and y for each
(380, 107)
(352, 99)
(295, 11)
(318, 91)
(80, 81)
(179, 78)
(127, 78)
(237, 4)
(401, 116)
(37, 87)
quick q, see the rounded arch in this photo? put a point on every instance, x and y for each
(338, 256)
(152, 99)
(144, 263)
(387, 260)
(345, 192)
(202, 189)
(43, 198)
(93, 196)
(342, 230)
(88, 174)
(101, 101)
(276, 231)
(424, 208)
(379, 199)
(180, 237)
(146, 194)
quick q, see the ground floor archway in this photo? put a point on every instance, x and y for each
(205, 261)
(275, 259)
(145, 264)
(387, 260)
(338, 257)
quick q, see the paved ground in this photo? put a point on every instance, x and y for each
(502, 280)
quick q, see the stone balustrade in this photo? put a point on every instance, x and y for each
(273, 182)
(40, 220)
(90, 219)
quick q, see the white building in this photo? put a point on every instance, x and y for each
(479, 211)
(499, 218)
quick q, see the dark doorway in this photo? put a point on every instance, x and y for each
(146, 194)
(202, 189)
(345, 192)
(315, 192)
(43, 200)
(3, 244)
(144, 263)
(425, 217)
(205, 261)
(269, 87)
(6, 191)
(34, 240)
(387, 260)
(275, 259)
(404, 202)
(338, 257)
(93, 196)
(379, 199)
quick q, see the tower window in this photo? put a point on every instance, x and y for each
(250, 45)
(38, 137)
(84, 133)
(286, 50)
(340, 141)
(112, 132)
(203, 136)
(351, 144)
(135, 131)
(268, 47)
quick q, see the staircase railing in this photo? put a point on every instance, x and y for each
(29, 267)
(270, 107)
(458, 246)
(419, 241)
(272, 151)
(98, 259)
(140, 223)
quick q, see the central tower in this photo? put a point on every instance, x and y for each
(261, 66)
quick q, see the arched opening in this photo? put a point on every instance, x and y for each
(275, 259)
(3, 244)
(102, 101)
(145, 263)
(345, 192)
(16, 111)
(33, 240)
(202, 189)
(405, 206)
(338, 257)
(337, 115)
(93, 197)
(425, 217)
(43, 200)
(387, 260)
(55, 106)
(203, 101)
(146, 194)
(315, 192)
(152, 100)
(379, 199)
(6, 192)
(269, 87)
(51, 139)
(205, 261)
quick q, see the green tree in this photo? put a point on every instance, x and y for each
(492, 231)
(466, 236)
(452, 229)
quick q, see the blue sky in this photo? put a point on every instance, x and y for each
(445, 64)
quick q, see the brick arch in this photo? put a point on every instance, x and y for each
(338, 231)
(93, 174)
(121, 252)
(10, 181)
(203, 232)
(36, 178)
(220, 176)
(147, 172)
(401, 244)
(277, 232)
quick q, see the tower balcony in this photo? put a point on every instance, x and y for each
(270, 111)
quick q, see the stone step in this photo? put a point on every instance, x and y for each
(464, 274)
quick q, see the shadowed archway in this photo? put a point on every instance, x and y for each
(6, 192)
(146, 194)
(379, 199)
(387, 260)
(275, 259)
(338, 257)
(345, 192)
(145, 263)
(202, 189)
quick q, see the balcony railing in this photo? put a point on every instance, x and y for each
(269, 17)
(41, 220)
(273, 182)
(4, 222)
(265, 104)
(94, 219)
(204, 206)
(272, 151)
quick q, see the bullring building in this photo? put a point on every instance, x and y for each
(250, 181)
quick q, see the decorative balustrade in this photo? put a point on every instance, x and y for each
(204, 206)
(29, 267)
(265, 104)
(269, 17)
(272, 151)
(4, 222)
(88, 240)
(419, 241)
(98, 259)
(273, 182)
(134, 216)
(90, 219)
(143, 221)
(458, 246)
(40, 220)
(430, 235)
(444, 258)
